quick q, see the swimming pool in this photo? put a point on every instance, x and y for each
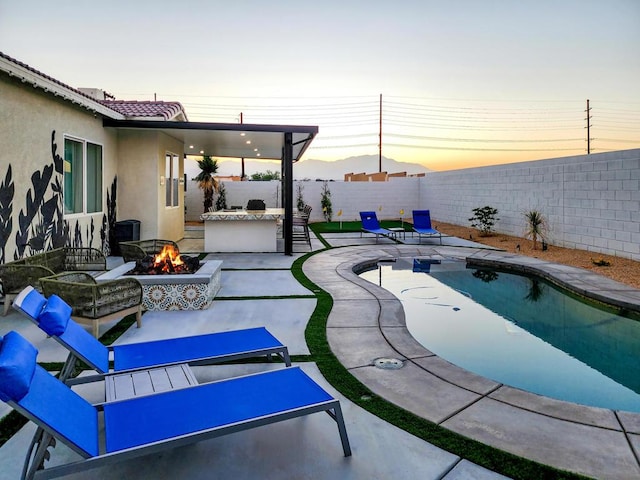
(518, 330)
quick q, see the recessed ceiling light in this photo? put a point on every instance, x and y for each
(190, 146)
(201, 152)
(257, 154)
(255, 149)
(242, 134)
(248, 142)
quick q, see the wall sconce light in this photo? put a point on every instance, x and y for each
(162, 180)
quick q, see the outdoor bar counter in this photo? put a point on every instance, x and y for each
(241, 230)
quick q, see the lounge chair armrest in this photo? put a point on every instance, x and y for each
(75, 288)
(131, 252)
(115, 295)
(16, 277)
(84, 258)
(139, 249)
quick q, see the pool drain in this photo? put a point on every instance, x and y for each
(388, 363)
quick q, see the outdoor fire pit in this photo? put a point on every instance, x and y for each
(171, 281)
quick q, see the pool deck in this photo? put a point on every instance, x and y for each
(365, 324)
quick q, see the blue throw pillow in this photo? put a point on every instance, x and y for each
(17, 364)
(54, 316)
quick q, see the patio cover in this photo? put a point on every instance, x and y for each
(239, 140)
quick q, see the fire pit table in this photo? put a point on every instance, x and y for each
(184, 291)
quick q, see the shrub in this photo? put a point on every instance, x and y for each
(484, 219)
(221, 201)
(299, 197)
(325, 202)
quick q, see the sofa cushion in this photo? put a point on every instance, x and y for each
(30, 301)
(54, 316)
(17, 364)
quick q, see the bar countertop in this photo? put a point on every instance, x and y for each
(243, 215)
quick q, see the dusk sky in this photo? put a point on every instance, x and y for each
(463, 82)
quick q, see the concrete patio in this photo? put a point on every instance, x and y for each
(595, 442)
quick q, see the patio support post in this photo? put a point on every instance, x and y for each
(287, 189)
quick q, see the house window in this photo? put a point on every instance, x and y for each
(82, 177)
(94, 178)
(171, 173)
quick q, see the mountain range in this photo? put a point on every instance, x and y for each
(321, 169)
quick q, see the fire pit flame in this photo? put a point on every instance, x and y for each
(167, 262)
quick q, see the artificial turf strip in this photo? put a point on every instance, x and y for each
(353, 227)
(10, 424)
(338, 376)
(118, 329)
(266, 297)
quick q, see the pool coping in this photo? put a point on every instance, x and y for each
(367, 324)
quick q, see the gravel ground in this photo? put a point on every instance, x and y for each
(622, 270)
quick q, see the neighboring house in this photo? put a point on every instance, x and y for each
(75, 161)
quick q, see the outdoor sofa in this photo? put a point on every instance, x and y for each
(96, 302)
(139, 249)
(18, 274)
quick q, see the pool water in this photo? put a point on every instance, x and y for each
(518, 330)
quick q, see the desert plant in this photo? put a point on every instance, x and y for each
(484, 219)
(299, 197)
(206, 181)
(221, 200)
(7, 191)
(536, 227)
(536, 290)
(325, 201)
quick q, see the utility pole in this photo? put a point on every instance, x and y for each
(242, 159)
(380, 139)
(588, 119)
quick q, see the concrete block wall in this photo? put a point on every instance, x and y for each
(592, 202)
(386, 198)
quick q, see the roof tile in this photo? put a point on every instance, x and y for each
(134, 108)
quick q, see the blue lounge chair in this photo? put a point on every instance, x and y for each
(422, 225)
(53, 316)
(370, 224)
(423, 265)
(152, 423)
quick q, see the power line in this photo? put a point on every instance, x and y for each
(406, 119)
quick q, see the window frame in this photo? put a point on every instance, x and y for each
(171, 180)
(98, 200)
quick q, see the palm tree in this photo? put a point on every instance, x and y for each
(206, 181)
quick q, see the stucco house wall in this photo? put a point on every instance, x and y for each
(36, 114)
(141, 163)
(33, 125)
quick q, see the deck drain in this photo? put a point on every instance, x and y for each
(388, 363)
